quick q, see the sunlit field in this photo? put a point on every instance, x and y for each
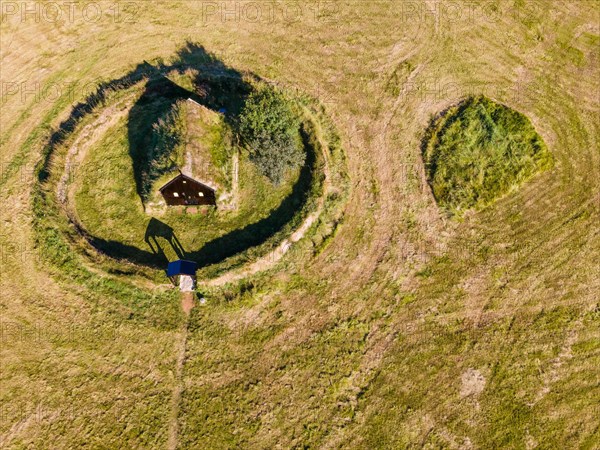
(407, 257)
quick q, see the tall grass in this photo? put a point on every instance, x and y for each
(478, 151)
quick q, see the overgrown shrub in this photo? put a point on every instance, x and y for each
(270, 130)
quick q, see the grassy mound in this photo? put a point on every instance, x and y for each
(112, 192)
(480, 150)
(162, 119)
(109, 208)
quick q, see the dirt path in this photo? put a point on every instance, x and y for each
(235, 183)
(270, 258)
(187, 303)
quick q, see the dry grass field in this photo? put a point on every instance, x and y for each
(401, 328)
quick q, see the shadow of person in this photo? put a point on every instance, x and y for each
(157, 229)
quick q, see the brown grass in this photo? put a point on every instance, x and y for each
(366, 344)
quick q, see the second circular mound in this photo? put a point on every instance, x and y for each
(479, 150)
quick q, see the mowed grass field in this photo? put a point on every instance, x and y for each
(409, 329)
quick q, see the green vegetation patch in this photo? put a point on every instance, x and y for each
(478, 151)
(270, 129)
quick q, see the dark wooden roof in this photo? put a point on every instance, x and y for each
(184, 190)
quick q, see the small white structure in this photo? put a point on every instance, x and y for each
(187, 283)
(183, 273)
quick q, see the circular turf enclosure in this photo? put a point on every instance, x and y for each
(116, 186)
(269, 152)
(478, 151)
